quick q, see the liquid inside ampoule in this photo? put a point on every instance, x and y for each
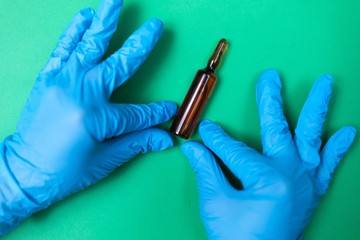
(197, 95)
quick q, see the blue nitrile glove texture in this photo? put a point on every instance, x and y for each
(283, 185)
(69, 135)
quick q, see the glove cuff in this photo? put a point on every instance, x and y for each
(15, 205)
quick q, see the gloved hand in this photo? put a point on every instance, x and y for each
(69, 135)
(283, 185)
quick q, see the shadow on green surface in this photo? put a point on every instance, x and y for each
(135, 89)
(129, 21)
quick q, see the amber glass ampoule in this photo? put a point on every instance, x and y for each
(199, 91)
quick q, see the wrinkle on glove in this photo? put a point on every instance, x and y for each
(69, 135)
(283, 184)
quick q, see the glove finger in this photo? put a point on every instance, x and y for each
(275, 134)
(117, 119)
(311, 120)
(332, 154)
(96, 39)
(209, 177)
(125, 62)
(243, 161)
(117, 151)
(68, 41)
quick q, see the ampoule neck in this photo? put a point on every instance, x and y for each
(208, 69)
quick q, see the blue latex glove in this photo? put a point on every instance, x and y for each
(69, 135)
(283, 185)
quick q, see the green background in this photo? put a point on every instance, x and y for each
(155, 195)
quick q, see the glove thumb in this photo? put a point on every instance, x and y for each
(210, 179)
